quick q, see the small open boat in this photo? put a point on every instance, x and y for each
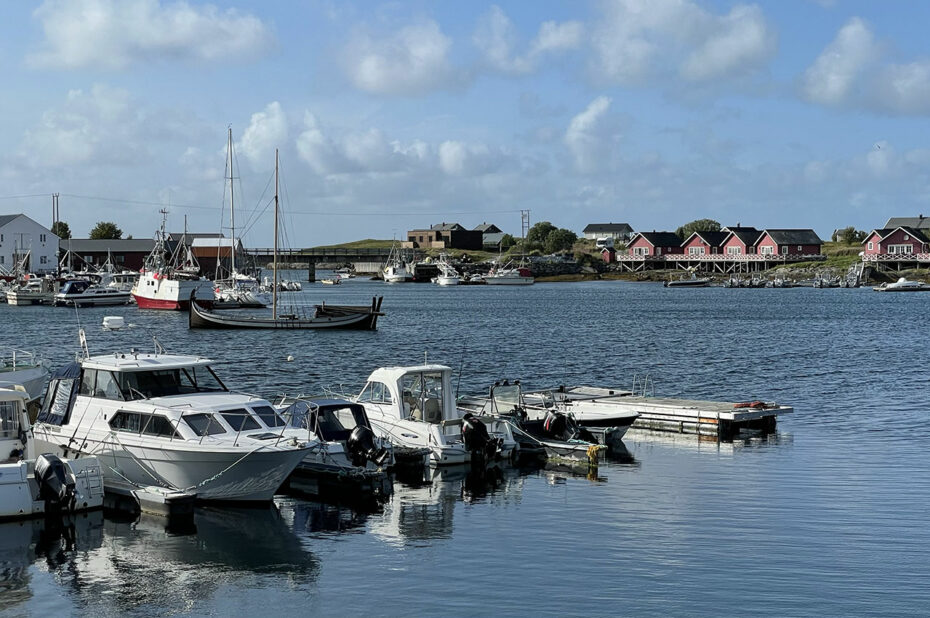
(357, 317)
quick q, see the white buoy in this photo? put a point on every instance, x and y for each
(290, 358)
(113, 322)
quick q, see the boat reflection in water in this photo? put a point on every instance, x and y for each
(146, 564)
(55, 543)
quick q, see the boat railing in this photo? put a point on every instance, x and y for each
(12, 358)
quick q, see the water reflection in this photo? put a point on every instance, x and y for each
(54, 543)
(147, 563)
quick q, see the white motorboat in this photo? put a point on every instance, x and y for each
(33, 484)
(447, 273)
(82, 293)
(414, 407)
(34, 291)
(509, 274)
(167, 420)
(903, 285)
(23, 368)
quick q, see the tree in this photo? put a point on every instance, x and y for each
(507, 241)
(105, 230)
(61, 229)
(849, 235)
(538, 233)
(560, 240)
(698, 225)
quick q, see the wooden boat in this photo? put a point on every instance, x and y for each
(358, 317)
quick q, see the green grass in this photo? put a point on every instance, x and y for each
(368, 243)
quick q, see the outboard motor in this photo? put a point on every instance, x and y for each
(476, 437)
(56, 483)
(361, 446)
(560, 426)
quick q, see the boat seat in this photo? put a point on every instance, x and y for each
(432, 412)
(412, 407)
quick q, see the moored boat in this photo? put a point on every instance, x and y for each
(81, 293)
(903, 285)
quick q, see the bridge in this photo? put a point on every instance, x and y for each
(319, 255)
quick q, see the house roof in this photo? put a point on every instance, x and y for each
(215, 242)
(446, 227)
(190, 236)
(4, 219)
(919, 222)
(714, 239)
(794, 237)
(594, 228)
(488, 228)
(888, 231)
(659, 239)
(492, 238)
(119, 245)
(747, 235)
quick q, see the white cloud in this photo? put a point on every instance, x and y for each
(585, 138)
(409, 62)
(638, 40)
(114, 34)
(736, 43)
(266, 131)
(902, 88)
(832, 78)
(496, 38)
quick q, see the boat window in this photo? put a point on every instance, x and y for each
(158, 425)
(376, 392)
(203, 424)
(106, 386)
(168, 382)
(56, 409)
(126, 421)
(240, 420)
(88, 376)
(9, 419)
(269, 416)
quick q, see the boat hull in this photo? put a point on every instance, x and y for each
(327, 316)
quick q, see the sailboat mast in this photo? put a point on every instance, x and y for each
(274, 261)
(232, 210)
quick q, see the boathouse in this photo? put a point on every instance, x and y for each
(899, 248)
(740, 241)
(703, 243)
(654, 244)
(789, 242)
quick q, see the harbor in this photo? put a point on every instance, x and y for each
(674, 478)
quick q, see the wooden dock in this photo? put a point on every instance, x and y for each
(723, 420)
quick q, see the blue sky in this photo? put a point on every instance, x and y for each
(393, 116)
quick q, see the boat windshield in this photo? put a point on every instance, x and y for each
(268, 415)
(168, 382)
(203, 424)
(9, 419)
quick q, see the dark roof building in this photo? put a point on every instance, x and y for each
(710, 238)
(794, 237)
(617, 231)
(488, 228)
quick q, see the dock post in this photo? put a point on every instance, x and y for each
(724, 430)
(311, 271)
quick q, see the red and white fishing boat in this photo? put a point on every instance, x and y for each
(167, 281)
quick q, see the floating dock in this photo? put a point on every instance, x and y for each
(723, 420)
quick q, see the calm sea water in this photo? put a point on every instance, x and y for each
(828, 517)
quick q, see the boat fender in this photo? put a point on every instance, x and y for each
(56, 483)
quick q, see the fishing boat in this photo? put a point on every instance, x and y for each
(33, 291)
(395, 269)
(414, 407)
(903, 285)
(692, 281)
(447, 273)
(25, 369)
(168, 421)
(164, 282)
(509, 274)
(33, 483)
(358, 317)
(82, 293)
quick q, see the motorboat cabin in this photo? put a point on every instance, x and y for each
(169, 421)
(415, 407)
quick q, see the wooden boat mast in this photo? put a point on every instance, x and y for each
(232, 210)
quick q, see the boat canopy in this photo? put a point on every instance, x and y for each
(63, 386)
(143, 362)
(420, 392)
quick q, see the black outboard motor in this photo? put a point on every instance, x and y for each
(560, 426)
(477, 439)
(361, 447)
(56, 483)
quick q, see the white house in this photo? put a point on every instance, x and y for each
(21, 237)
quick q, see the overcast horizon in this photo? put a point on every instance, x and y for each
(395, 116)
